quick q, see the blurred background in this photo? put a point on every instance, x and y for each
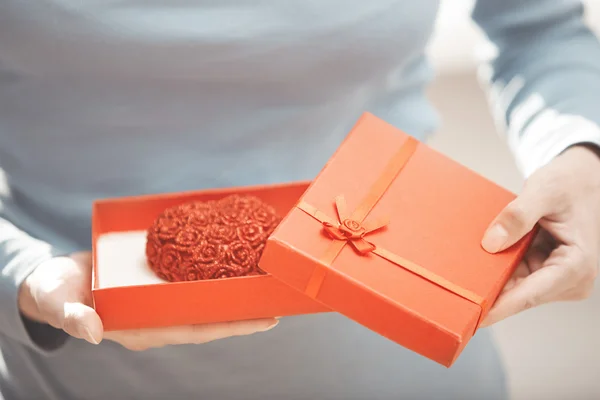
(550, 351)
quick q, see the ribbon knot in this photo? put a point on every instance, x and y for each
(352, 231)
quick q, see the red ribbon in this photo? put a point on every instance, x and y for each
(351, 230)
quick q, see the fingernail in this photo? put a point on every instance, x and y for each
(271, 326)
(90, 337)
(495, 239)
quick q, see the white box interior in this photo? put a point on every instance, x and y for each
(121, 260)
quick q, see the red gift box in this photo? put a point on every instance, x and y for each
(389, 235)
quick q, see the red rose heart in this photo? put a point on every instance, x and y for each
(210, 240)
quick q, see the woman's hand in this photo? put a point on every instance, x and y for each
(562, 263)
(58, 292)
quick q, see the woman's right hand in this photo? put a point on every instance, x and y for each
(58, 292)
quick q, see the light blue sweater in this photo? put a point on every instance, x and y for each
(113, 98)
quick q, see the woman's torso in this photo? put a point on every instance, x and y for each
(107, 98)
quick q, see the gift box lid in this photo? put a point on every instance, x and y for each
(389, 235)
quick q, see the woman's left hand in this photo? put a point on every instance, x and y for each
(563, 197)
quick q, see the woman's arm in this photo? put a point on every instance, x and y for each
(545, 91)
(20, 254)
(544, 79)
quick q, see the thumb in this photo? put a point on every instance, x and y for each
(517, 219)
(61, 288)
(81, 321)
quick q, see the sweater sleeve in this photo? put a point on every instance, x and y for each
(20, 254)
(543, 76)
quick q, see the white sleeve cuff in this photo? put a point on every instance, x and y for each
(548, 135)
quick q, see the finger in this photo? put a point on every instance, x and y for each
(543, 286)
(63, 303)
(74, 317)
(520, 272)
(535, 258)
(582, 292)
(142, 339)
(82, 322)
(518, 218)
(209, 333)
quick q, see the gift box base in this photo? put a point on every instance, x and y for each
(127, 294)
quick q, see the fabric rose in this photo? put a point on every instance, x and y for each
(221, 234)
(164, 276)
(188, 237)
(220, 271)
(152, 248)
(237, 202)
(201, 218)
(241, 254)
(170, 258)
(259, 250)
(252, 234)
(176, 213)
(180, 212)
(265, 217)
(208, 253)
(167, 228)
(228, 202)
(202, 206)
(232, 217)
(193, 273)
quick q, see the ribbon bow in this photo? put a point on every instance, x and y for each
(351, 230)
